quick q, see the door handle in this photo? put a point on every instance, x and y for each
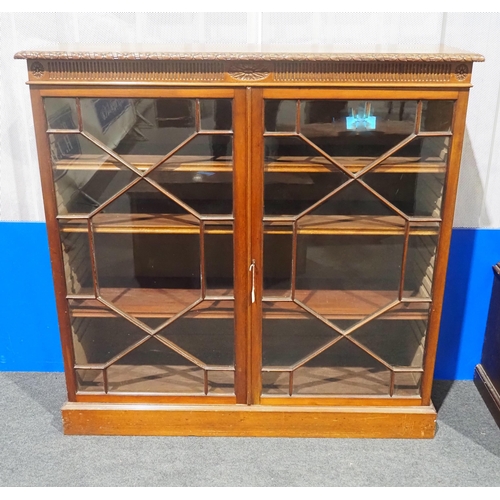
(252, 270)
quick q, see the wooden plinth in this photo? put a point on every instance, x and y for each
(241, 420)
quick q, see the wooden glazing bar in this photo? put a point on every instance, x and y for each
(205, 382)
(325, 198)
(110, 152)
(290, 383)
(418, 118)
(435, 134)
(384, 200)
(293, 275)
(369, 352)
(103, 205)
(203, 276)
(297, 117)
(403, 260)
(169, 155)
(168, 194)
(327, 156)
(197, 117)
(214, 132)
(93, 264)
(63, 131)
(105, 381)
(386, 155)
(79, 113)
(392, 383)
(373, 316)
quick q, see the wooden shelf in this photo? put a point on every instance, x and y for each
(165, 303)
(310, 224)
(298, 164)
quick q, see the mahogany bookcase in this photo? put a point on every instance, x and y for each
(249, 244)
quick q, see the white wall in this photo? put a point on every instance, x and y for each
(478, 204)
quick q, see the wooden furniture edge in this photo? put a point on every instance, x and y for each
(488, 391)
(242, 420)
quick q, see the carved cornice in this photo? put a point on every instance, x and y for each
(252, 56)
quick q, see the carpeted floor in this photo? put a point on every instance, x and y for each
(34, 452)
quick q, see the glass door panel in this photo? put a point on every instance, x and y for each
(145, 196)
(351, 218)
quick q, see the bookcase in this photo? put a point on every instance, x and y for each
(249, 244)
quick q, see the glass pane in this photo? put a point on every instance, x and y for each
(344, 369)
(296, 176)
(277, 259)
(89, 380)
(142, 131)
(420, 263)
(76, 256)
(153, 367)
(192, 175)
(220, 382)
(407, 384)
(290, 335)
(415, 194)
(436, 116)
(84, 175)
(219, 259)
(216, 114)
(99, 334)
(397, 336)
(348, 277)
(280, 116)
(206, 332)
(357, 132)
(148, 275)
(61, 113)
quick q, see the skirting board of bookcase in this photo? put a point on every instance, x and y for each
(243, 420)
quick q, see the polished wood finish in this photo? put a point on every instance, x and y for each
(119, 402)
(241, 420)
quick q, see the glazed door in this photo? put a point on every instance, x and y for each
(150, 197)
(347, 224)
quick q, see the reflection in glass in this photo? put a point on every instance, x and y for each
(400, 342)
(357, 274)
(84, 175)
(135, 128)
(99, 334)
(415, 194)
(154, 367)
(89, 380)
(277, 259)
(407, 383)
(436, 116)
(345, 369)
(219, 258)
(280, 116)
(420, 265)
(76, 256)
(357, 128)
(205, 332)
(216, 114)
(61, 113)
(290, 334)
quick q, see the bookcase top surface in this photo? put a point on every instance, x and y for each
(201, 52)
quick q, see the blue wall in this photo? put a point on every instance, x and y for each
(29, 337)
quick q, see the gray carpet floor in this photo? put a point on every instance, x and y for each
(34, 452)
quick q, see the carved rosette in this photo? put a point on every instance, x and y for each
(37, 69)
(248, 72)
(461, 72)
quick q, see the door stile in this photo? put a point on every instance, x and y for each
(256, 183)
(241, 246)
